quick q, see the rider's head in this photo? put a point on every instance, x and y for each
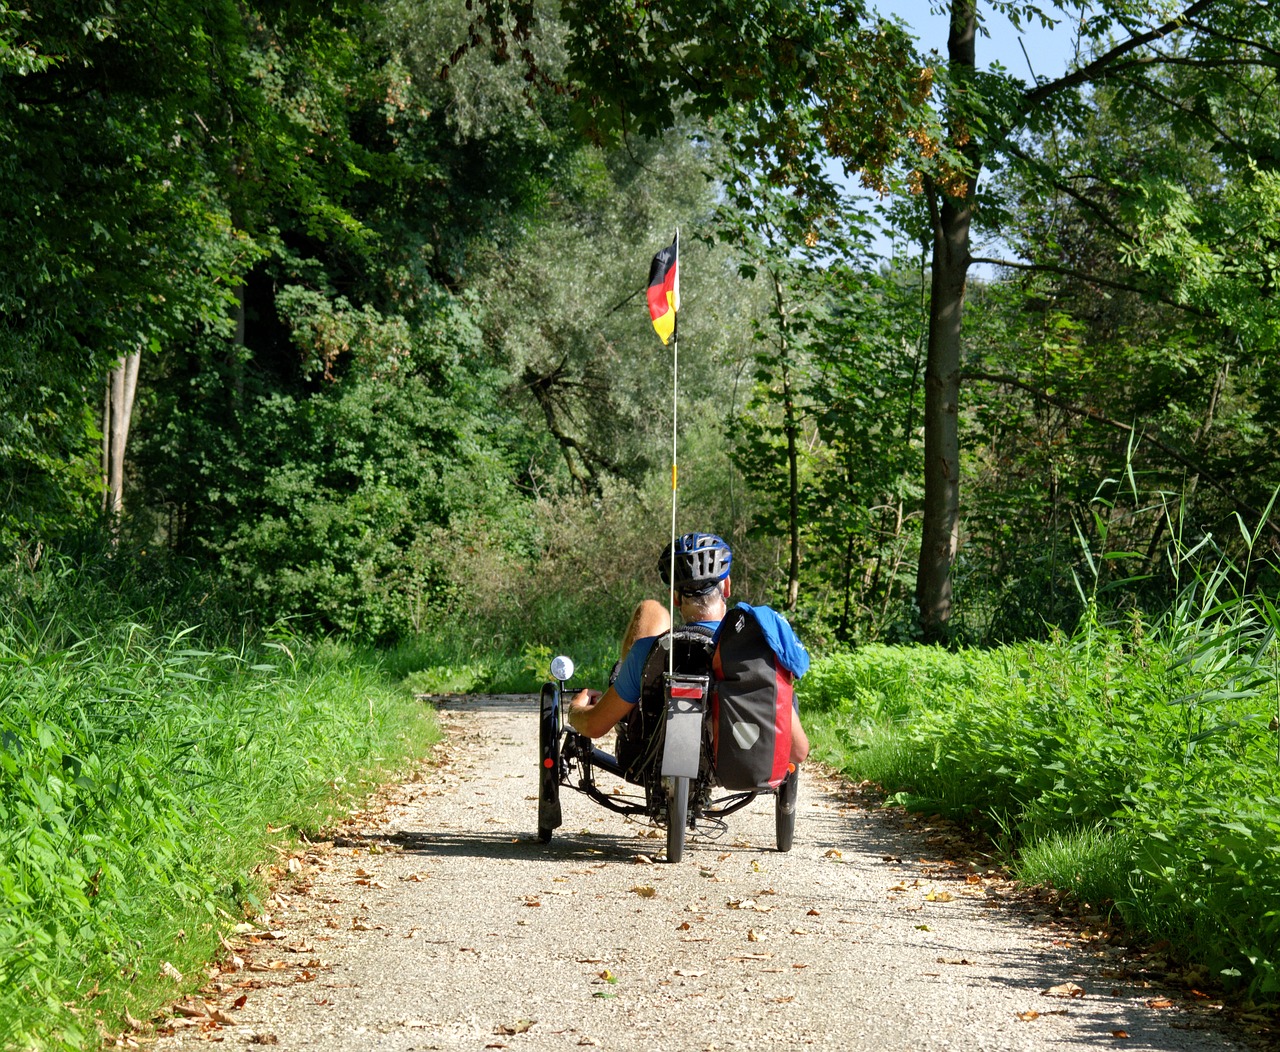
(701, 562)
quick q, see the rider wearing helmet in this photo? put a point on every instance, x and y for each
(702, 564)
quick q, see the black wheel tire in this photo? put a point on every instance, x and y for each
(548, 762)
(784, 810)
(677, 816)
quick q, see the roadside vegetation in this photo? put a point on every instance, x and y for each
(147, 764)
(1134, 762)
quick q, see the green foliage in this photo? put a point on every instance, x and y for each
(142, 767)
(1135, 764)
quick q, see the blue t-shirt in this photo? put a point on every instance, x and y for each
(628, 681)
(779, 634)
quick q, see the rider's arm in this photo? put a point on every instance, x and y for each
(596, 717)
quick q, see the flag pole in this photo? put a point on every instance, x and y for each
(675, 395)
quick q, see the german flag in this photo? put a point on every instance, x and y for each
(664, 290)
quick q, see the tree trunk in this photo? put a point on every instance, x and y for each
(951, 220)
(791, 430)
(117, 412)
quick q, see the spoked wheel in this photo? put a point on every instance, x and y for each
(785, 810)
(549, 757)
(677, 815)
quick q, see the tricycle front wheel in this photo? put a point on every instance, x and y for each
(549, 818)
(785, 810)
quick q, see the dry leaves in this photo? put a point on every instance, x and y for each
(645, 891)
(1064, 990)
(202, 1011)
(520, 1026)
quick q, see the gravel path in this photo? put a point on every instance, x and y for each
(440, 922)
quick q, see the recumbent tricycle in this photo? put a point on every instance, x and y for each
(713, 717)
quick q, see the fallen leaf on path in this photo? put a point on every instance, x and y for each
(642, 860)
(781, 1000)
(608, 976)
(1159, 1002)
(813, 913)
(1119, 1033)
(954, 960)
(193, 1010)
(938, 896)
(1064, 990)
(239, 1002)
(1026, 1017)
(748, 904)
(753, 935)
(520, 1026)
(833, 853)
(645, 891)
(134, 1024)
(169, 970)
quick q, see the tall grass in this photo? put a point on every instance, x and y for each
(1136, 763)
(144, 767)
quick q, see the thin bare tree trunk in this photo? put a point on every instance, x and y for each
(791, 429)
(122, 386)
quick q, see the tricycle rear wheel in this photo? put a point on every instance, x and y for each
(677, 815)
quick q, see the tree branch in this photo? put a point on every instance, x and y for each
(1087, 73)
(1046, 173)
(1100, 418)
(1068, 272)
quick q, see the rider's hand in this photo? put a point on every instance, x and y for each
(584, 699)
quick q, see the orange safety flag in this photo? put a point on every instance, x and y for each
(664, 290)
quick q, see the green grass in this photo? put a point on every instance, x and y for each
(459, 655)
(1135, 766)
(144, 770)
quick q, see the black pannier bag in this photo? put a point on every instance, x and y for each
(751, 705)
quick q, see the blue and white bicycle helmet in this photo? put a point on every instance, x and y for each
(702, 560)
